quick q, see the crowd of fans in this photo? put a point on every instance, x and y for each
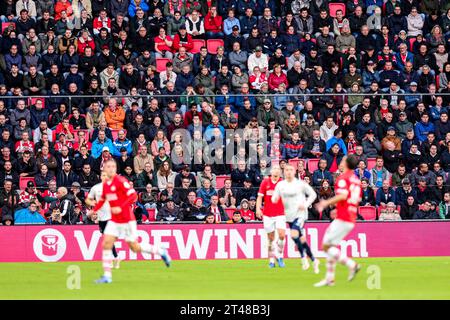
(81, 81)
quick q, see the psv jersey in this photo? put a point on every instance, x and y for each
(349, 185)
(266, 190)
(118, 193)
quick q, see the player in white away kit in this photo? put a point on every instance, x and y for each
(347, 199)
(273, 216)
(104, 214)
(297, 196)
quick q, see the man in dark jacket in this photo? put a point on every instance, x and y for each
(66, 177)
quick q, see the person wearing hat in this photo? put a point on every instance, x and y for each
(245, 211)
(403, 125)
(404, 191)
(182, 39)
(258, 59)
(391, 137)
(267, 112)
(425, 211)
(246, 191)
(77, 193)
(371, 144)
(29, 194)
(169, 212)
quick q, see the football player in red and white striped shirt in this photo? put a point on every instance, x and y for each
(120, 195)
(347, 199)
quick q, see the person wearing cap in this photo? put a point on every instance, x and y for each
(404, 191)
(267, 112)
(169, 212)
(402, 125)
(391, 137)
(371, 144)
(258, 59)
(425, 211)
(28, 195)
(77, 193)
(182, 39)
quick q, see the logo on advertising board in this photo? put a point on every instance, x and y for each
(49, 245)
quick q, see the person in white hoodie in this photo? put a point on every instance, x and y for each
(415, 23)
(327, 129)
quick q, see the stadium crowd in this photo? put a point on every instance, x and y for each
(82, 81)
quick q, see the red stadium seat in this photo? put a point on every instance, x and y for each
(411, 43)
(213, 44)
(161, 64)
(34, 99)
(198, 43)
(23, 182)
(368, 212)
(371, 162)
(5, 25)
(75, 134)
(335, 7)
(294, 162)
(220, 181)
(313, 165)
(151, 214)
(229, 212)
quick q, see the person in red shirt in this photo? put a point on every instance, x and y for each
(120, 195)
(276, 78)
(245, 211)
(273, 216)
(182, 39)
(163, 45)
(213, 24)
(347, 199)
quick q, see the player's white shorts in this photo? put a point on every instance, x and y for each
(337, 231)
(274, 223)
(127, 231)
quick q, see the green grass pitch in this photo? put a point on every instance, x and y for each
(398, 278)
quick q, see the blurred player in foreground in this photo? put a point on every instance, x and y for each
(120, 195)
(104, 213)
(347, 198)
(273, 216)
(297, 197)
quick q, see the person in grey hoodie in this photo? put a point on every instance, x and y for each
(415, 23)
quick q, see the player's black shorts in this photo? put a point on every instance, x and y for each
(296, 225)
(102, 225)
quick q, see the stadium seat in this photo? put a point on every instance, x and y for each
(294, 162)
(335, 7)
(229, 212)
(371, 162)
(213, 44)
(34, 99)
(313, 165)
(161, 64)
(368, 212)
(23, 182)
(115, 133)
(198, 43)
(75, 134)
(411, 43)
(220, 181)
(5, 25)
(151, 214)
